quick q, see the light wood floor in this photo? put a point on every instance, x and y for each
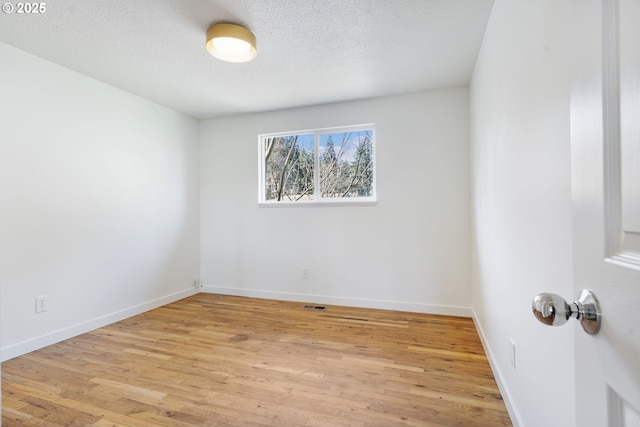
(212, 360)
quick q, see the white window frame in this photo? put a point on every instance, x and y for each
(318, 200)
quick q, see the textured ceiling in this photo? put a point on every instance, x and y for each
(309, 51)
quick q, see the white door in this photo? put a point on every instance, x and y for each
(605, 144)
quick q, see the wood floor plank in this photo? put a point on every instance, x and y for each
(213, 360)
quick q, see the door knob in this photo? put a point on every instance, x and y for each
(553, 310)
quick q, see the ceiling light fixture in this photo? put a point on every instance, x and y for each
(230, 42)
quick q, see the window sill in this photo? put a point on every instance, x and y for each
(315, 204)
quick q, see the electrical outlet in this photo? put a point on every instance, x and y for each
(197, 283)
(305, 272)
(42, 303)
(512, 353)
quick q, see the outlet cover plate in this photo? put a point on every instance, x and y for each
(512, 353)
(42, 303)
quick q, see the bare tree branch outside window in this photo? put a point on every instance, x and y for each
(289, 164)
(346, 167)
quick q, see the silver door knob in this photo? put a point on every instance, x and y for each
(553, 310)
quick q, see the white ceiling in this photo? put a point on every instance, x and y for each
(309, 51)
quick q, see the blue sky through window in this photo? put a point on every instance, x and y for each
(305, 142)
(345, 143)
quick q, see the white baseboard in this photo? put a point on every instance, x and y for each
(497, 374)
(36, 343)
(446, 310)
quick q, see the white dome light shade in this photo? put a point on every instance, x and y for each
(230, 42)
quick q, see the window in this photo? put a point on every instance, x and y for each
(335, 165)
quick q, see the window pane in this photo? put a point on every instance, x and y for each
(289, 164)
(346, 164)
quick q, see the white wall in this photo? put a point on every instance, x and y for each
(99, 203)
(522, 203)
(410, 251)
